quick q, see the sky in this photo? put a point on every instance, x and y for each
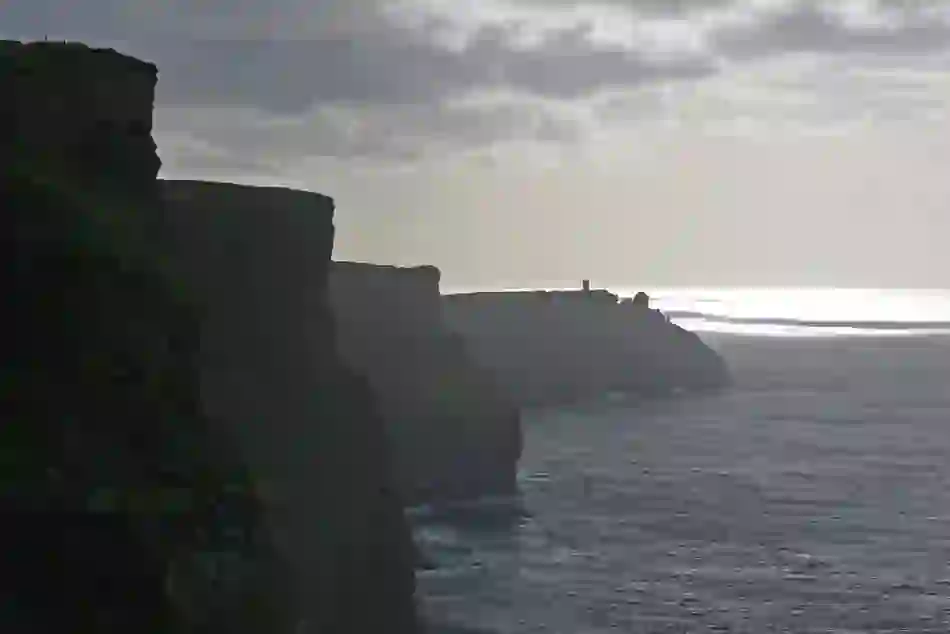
(518, 143)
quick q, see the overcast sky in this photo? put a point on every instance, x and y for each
(523, 142)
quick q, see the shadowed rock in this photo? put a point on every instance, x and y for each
(126, 507)
(453, 432)
(256, 260)
(549, 347)
(101, 428)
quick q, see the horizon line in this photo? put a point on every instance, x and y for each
(464, 288)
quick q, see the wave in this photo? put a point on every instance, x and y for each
(485, 513)
(810, 323)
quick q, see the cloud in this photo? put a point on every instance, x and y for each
(287, 55)
(367, 131)
(652, 7)
(403, 79)
(794, 96)
(138, 20)
(184, 154)
(290, 78)
(815, 29)
(754, 28)
(398, 69)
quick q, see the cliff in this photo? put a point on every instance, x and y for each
(257, 259)
(454, 434)
(556, 346)
(80, 114)
(100, 416)
(118, 481)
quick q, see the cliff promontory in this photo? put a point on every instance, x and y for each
(256, 260)
(156, 369)
(555, 346)
(454, 433)
(110, 477)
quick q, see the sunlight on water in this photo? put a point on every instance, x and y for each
(807, 311)
(798, 312)
(784, 330)
(809, 304)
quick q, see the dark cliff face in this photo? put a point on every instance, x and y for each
(117, 480)
(454, 434)
(100, 419)
(257, 259)
(547, 347)
(80, 113)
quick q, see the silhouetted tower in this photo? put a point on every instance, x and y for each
(586, 284)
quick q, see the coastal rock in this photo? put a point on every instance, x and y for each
(556, 346)
(257, 261)
(454, 433)
(101, 488)
(80, 111)
(130, 502)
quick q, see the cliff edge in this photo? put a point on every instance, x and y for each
(130, 501)
(110, 476)
(454, 433)
(256, 260)
(555, 346)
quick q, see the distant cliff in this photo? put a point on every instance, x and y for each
(454, 433)
(548, 347)
(257, 260)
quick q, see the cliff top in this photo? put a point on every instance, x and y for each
(71, 56)
(600, 296)
(374, 266)
(370, 268)
(181, 188)
(78, 114)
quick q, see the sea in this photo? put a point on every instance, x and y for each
(813, 496)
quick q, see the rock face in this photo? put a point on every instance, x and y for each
(257, 259)
(100, 486)
(549, 347)
(117, 471)
(453, 432)
(81, 111)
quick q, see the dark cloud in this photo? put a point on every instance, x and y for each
(135, 20)
(393, 133)
(36, 19)
(287, 55)
(397, 69)
(289, 74)
(292, 66)
(292, 76)
(807, 29)
(568, 65)
(296, 60)
(907, 27)
(648, 7)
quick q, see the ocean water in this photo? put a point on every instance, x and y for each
(813, 496)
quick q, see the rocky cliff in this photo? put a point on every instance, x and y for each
(100, 489)
(118, 476)
(548, 347)
(454, 434)
(257, 260)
